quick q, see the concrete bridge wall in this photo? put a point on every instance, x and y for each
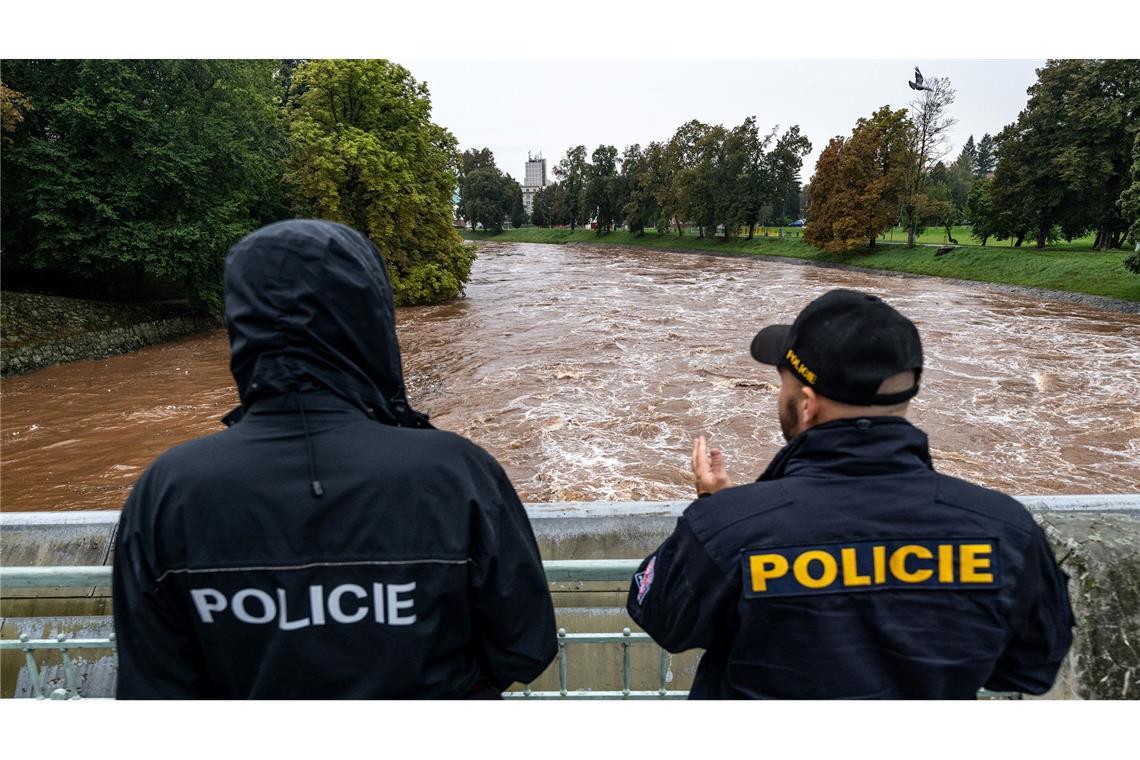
(1096, 539)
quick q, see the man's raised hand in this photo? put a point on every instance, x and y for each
(708, 468)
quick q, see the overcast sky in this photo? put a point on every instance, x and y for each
(513, 107)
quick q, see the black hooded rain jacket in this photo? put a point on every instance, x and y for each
(330, 543)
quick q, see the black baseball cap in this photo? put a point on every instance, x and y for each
(844, 344)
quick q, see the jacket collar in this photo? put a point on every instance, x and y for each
(853, 447)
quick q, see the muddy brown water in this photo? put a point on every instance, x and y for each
(586, 370)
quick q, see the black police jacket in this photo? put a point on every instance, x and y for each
(329, 543)
(851, 569)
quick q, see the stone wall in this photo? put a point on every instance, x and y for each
(38, 331)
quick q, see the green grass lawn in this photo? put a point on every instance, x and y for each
(1066, 267)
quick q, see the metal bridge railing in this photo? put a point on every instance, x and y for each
(613, 570)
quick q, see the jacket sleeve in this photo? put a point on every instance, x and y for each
(1041, 622)
(156, 651)
(680, 597)
(513, 615)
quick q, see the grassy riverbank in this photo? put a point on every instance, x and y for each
(1062, 268)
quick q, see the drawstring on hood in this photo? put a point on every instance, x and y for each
(318, 489)
(309, 307)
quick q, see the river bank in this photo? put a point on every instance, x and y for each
(37, 331)
(1048, 272)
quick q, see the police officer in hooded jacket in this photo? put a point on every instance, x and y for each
(851, 568)
(330, 543)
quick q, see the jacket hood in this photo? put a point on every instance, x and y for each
(309, 306)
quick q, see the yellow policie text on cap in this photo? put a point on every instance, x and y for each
(799, 367)
(922, 564)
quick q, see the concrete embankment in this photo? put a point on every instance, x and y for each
(1097, 541)
(39, 331)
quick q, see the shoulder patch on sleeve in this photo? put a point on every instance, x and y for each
(644, 579)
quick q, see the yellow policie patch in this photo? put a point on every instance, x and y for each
(925, 564)
(800, 367)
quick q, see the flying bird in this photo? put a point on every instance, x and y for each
(917, 83)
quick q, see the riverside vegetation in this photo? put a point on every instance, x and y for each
(1063, 268)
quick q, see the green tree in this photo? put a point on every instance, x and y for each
(985, 160)
(560, 206)
(540, 214)
(1064, 163)
(571, 172)
(130, 171)
(488, 198)
(979, 208)
(656, 183)
(518, 208)
(637, 208)
(698, 184)
(366, 153)
(471, 160)
(969, 153)
(599, 191)
(784, 163)
(1130, 207)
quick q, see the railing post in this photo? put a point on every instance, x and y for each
(625, 663)
(663, 671)
(33, 669)
(71, 680)
(562, 661)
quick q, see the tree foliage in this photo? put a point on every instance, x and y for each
(1064, 163)
(571, 172)
(12, 107)
(985, 158)
(487, 197)
(1130, 207)
(860, 183)
(365, 152)
(127, 170)
(979, 208)
(601, 198)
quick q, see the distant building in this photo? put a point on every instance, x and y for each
(534, 180)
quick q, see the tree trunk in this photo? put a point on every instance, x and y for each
(1042, 236)
(984, 239)
(751, 229)
(911, 233)
(1020, 239)
(872, 244)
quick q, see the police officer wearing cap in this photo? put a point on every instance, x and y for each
(851, 568)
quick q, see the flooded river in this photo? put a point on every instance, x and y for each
(586, 370)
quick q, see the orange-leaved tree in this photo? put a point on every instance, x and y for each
(859, 183)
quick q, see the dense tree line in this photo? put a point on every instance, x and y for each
(121, 174)
(487, 196)
(1065, 169)
(721, 180)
